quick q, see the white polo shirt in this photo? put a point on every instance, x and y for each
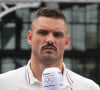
(23, 79)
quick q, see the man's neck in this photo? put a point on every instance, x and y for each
(38, 68)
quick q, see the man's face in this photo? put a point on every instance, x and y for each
(48, 39)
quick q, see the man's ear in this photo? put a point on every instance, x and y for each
(29, 37)
(67, 42)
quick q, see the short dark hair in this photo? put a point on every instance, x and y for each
(50, 12)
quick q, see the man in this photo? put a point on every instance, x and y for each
(48, 40)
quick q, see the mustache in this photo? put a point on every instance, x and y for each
(49, 45)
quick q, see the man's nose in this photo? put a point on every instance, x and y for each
(50, 38)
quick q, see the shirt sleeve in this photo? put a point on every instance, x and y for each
(94, 86)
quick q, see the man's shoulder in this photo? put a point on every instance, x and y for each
(17, 73)
(82, 81)
(13, 79)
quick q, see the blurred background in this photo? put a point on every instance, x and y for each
(83, 55)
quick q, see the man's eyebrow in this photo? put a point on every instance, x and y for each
(39, 30)
(42, 29)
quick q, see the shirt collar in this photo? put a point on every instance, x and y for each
(29, 75)
(67, 81)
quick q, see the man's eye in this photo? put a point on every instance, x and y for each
(42, 32)
(58, 34)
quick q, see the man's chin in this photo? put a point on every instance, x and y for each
(48, 58)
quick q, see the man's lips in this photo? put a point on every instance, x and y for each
(49, 48)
